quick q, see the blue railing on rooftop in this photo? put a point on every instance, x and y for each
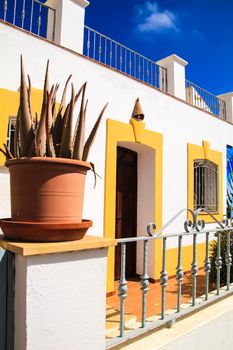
(30, 15)
(36, 17)
(203, 99)
(115, 55)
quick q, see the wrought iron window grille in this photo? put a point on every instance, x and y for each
(205, 185)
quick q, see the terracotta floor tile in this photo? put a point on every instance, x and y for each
(133, 301)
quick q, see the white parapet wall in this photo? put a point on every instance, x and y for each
(60, 297)
(175, 66)
(69, 23)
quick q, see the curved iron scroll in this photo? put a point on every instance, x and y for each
(190, 225)
(223, 224)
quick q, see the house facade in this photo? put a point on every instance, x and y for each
(157, 167)
(148, 170)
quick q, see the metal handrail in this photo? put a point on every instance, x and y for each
(117, 43)
(194, 224)
(205, 100)
(111, 53)
(30, 15)
(193, 227)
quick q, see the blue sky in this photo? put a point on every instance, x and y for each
(199, 31)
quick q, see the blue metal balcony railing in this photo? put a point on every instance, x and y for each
(36, 17)
(30, 15)
(203, 99)
(113, 54)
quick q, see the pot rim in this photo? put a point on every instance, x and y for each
(46, 160)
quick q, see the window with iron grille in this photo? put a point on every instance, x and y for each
(205, 185)
(10, 134)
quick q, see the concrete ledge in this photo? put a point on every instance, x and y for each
(27, 249)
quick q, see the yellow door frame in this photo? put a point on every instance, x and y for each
(134, 132)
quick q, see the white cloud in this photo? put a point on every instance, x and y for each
(151, 19)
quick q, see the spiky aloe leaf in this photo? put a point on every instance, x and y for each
(32, 149)
(63, 125)
(57, 134)
(3, 152)
(49, 122)
(36, 122)
(58, 122)
(6, 152)
(79, 92)
(41, 137)
(29, 90)
(16, 137)
(93, 169)
(92, 135)
(79, 137)
(25, 121)
(66, 146)
(61, 110)
(53, 102)
(41, 132)
(77, 122)
(45, 89)
(40, 148)
(61, 121)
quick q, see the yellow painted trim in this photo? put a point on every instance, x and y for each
(204, 152)
(117, 132)
(86, 243)
(187, 258)
(9, 104)
(138, 128)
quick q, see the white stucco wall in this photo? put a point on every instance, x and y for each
(69, 22)
(4, 194)
(177, 121)
(175, 66)
(60, 301)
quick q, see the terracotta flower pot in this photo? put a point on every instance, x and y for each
(47, 190)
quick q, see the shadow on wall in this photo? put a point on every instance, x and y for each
(6, 300)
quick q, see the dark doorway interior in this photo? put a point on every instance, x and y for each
(126, 208)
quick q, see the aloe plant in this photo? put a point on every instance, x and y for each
(51, 134)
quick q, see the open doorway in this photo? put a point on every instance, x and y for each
(126, 208)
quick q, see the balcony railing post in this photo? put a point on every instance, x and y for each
(179, 273)
(194, 270)
(218, 262)
(207, 266)
(122, 289)
(175, 75)
(163, 279)
(69, 23)
(144, 282)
